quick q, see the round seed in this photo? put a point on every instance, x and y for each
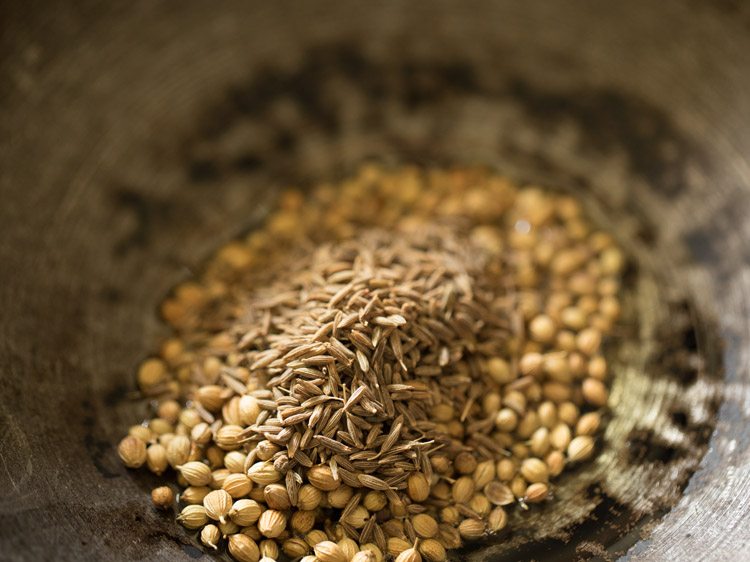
(162, 497)
(132, 452)
(243, 548)
(471, 529)
(580, 448)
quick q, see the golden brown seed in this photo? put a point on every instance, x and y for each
(214, 456)
(132, 452)
(568, 413)
(555, 462)
(263, 473)
(369, 547)
(194, 494)
(491, 403)
(210, 536)
(516, 401)
(560, 436)
(211, 397)
(506, 420)
(358, 517)
(309, 497)
(178, 451)
(443, 413)
(594, 392)
(506, 469)
(269, 549)
(397, 545)
(424, 525)
(409, 555)
(243, 548)
(498, 493)
(364, 556)
(245, 512)
(277, 497)
(339, 497)
(195, 473)
(497, 520)
(265, 450)
(237, 485)
(190, 418)
(557, 368)
(327, 551)
(480, 505)
(418, 487)
(450, 515)
(271, 523)
(597, 368)
(394, 528)
(295, 547)
(580, 448)
(201, 433)
(432, 550)
(588, 341)
(249, 409)
(465, 463)
(229, 437)
(252, 532)
(484, 474)
(441, 464)
(518, 486)
(520, 451)
(141, 432)
(588, 424)
(534, 470)
(235, 461)
(536, 492)
(156, 458)
(302, 521)
(499, 371)
(441, 490)
(162, 497)
(374, 501)
(322, 478)
(348, 547)
(542, 329)
(217, 478)
(217, 504)
(463, 489)
(528, 425)
(471, 529)
(531, 364)
(314, 537)
(193, 516)
(449, 536)
(151, 373)
(539, 443)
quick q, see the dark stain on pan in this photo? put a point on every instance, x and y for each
(609, 121)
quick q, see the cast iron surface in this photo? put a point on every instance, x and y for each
(136, 137)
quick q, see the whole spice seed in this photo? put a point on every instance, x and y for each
(245, 512)
(272, 523)
(132, 451)
(162, 497)
(327, 551)
(210, 536)
(387, 378)
(217, 504)
(193, 516)
(243, 548)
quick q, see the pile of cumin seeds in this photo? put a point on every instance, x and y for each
(383, 370)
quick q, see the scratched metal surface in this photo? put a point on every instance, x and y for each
(136, 137)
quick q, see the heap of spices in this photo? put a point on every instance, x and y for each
(383, 370)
